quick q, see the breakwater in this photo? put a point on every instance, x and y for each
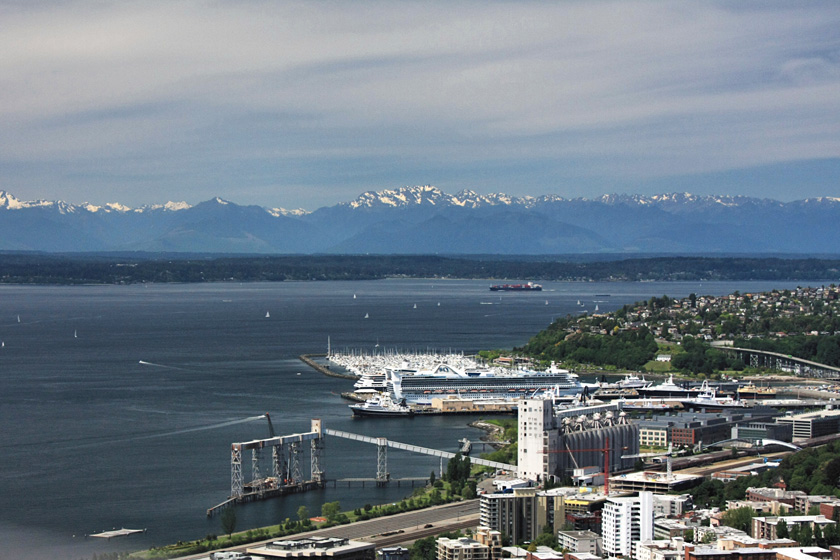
(308, 360)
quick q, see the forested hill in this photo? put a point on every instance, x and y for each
(38, 268)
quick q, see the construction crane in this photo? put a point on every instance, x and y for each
(606, 452)
(667, 454)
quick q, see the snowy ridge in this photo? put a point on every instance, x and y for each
(431, 196)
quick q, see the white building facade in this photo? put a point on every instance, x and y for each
(537, 435)
(625, 522)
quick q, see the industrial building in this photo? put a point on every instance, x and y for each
(692, 428)
(552, 444)
(812, 424)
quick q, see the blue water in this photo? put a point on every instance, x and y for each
(94, 439)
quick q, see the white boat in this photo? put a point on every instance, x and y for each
(267, 315)
(708, 399)
(366, 315)
(415, 306)
(75, 334)
(666, 389)
(354, 296)
(632, 381)
(381, 406)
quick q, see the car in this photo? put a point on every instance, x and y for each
(427, 525)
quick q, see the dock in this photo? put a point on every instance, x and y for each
(266, 494)
(108, 535)
(308, 360)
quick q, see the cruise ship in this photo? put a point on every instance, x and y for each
(443, 379)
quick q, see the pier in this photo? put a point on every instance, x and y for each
(308, 360)
(286, 459)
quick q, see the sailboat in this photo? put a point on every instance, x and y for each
(415, 306)
(438, 304)
(578, 302)
(354, 296)
(267, 314)
(546, 302)
(596, 307)
(75, 334)
(366, 315)
(18, 318)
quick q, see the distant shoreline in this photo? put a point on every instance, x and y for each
(93, 269)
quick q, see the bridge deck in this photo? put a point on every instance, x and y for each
(416, 449)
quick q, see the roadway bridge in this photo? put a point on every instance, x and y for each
(783, 362)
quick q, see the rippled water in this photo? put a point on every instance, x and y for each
(119, 403)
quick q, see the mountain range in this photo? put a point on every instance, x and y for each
(426, 220)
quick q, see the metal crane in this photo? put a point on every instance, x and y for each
(605, 450)
(271, 433)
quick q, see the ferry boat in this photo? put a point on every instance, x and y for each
(529, 287)
(381, 406)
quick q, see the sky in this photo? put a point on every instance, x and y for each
(307, 104)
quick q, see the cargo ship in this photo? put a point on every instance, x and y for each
(529, 287)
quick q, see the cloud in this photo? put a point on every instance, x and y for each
(313, 101)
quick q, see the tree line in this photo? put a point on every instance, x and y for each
(40, 268)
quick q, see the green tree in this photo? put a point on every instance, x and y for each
(229, 520)
(330, 510)
(432, 478)
(739, 518)
(806, 535)
(303, 513)
(782, 529)
(423, 549)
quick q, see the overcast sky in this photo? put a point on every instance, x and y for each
(309, 104)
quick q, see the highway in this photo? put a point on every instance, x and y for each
(390, 530)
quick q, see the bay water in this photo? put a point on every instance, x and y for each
(118, 404)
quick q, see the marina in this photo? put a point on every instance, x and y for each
(169, 371)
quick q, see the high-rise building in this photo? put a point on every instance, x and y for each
(625, 522)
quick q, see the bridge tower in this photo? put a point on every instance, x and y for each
(236, 470)
(382, 474)
(316, 452)
(294, 452)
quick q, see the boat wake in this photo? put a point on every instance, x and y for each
(144, 363)
(140, 437)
